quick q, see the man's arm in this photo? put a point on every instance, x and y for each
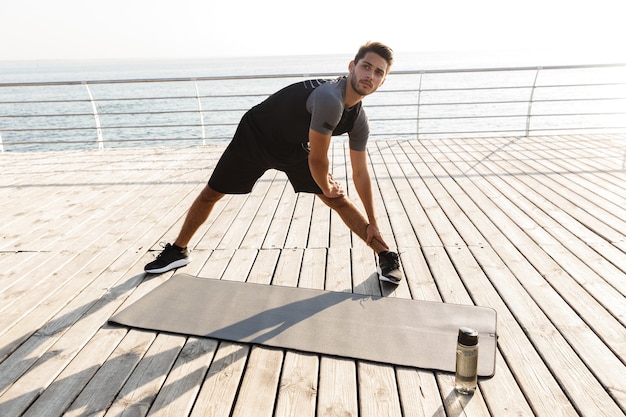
(363, 185)
(319, 164)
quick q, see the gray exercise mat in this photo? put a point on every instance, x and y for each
(397, 331)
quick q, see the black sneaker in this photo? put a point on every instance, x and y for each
(170, 258)
(389, 267)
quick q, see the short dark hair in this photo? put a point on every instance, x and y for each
(378, 48)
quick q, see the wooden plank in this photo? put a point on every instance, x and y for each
(337, 388)
(338, 275)
(143, 385)
(415, 390)
(240, 265)
(313, 272)
(179, 392)
(319, 231)
(259, 226)
(281, 221)
(259, 387)
(297, 394)
(288, 267)
(246, 216)
(340, 235)
(364, 275)
(298, 234)
(220, 386)
(262, 271)
(378, 393)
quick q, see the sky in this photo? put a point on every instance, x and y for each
(79, 29)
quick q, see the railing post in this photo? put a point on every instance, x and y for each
(419, 102)
(1, 145)
(95, 115)
(195, 81)
(530, 101)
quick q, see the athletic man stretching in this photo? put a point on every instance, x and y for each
(291, 131)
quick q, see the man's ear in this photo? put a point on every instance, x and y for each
(351, 66)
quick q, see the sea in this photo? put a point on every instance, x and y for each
(17, 102)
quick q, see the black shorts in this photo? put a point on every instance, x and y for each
(248, 156)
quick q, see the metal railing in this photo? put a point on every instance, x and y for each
(425, 104)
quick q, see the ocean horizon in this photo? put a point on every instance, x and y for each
(70, 70)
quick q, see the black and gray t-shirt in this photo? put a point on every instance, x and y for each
(287, 115)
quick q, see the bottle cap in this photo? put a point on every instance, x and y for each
(467, 336)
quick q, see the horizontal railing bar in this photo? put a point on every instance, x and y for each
(509, 87)
(400, 119)
(473, 103)
(133, 99)
(134, 113)
(473, 132)
(53, 129)
(306, 75)
(497, 116)
(369, 106)
(372, 134)
(150, 98)
(169, 80)
(83, 142)
(387, 135)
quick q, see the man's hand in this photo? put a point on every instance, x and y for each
(335, 190)
(374, 233)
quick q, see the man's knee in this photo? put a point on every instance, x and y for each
(335, 203)
(209, 195)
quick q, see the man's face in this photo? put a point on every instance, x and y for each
(368, 74)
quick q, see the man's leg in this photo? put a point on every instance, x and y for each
(177, 255)
(198, 213)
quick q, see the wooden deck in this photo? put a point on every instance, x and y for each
(532, 227)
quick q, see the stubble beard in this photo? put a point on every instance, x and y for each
(355, 85)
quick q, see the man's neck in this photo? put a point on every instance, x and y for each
(352, 98)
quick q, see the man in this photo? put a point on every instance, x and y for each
(291, 131)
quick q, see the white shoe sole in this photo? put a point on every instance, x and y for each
(176, 264)
(381, 277)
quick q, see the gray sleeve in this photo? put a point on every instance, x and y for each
(360, 132)
(326, 111)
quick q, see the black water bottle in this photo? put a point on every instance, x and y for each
(466, 376)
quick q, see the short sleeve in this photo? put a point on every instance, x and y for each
(360, 132)
(326, 110)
